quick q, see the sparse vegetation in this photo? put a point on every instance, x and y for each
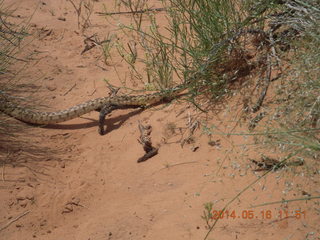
(224, 47)
(219, 49)
(297, 113)
(208, 214)
(213, 45)
(83, 10)
(11, 36)
(15, 145)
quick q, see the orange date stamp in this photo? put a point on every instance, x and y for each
(252, 214)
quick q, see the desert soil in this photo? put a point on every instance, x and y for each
(76, 184)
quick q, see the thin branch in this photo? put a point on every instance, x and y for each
(285, 201)
(133, 12)
(14, 220)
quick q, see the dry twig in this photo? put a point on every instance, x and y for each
(14, 220)
(133, 12)
(73, 86)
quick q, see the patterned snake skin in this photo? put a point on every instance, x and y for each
(37, 117)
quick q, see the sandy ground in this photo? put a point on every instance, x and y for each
(92, 187)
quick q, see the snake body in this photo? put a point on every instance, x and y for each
(37, 117)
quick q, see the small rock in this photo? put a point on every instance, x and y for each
(51, 87)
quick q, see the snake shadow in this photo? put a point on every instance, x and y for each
(112, 123)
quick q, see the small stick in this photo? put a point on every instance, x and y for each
(254, 121)
(14, 220)
(263, 94)
(70, 89)
(93, 92)
(133, 12)
(173, 165)
(113, 90)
